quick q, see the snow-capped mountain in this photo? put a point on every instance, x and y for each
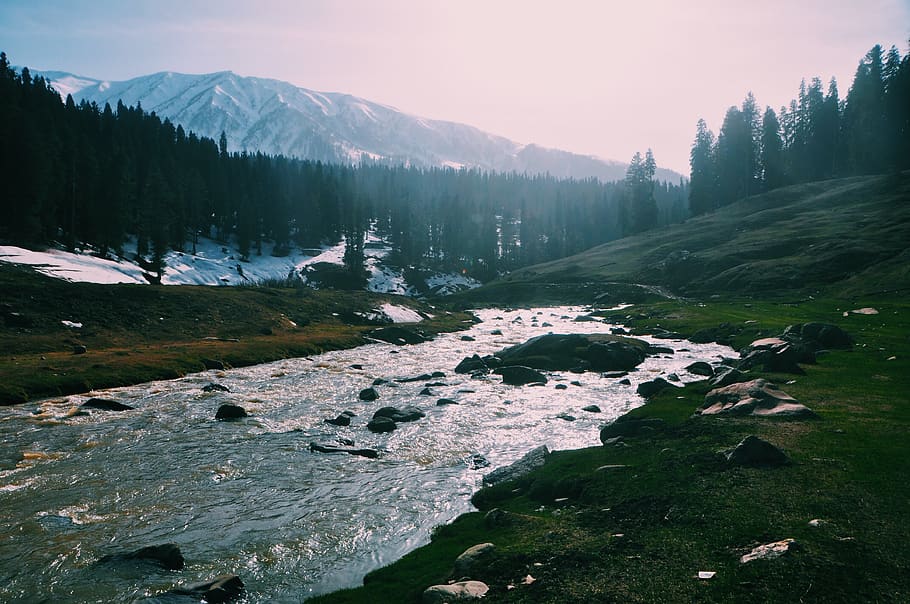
(276, 117)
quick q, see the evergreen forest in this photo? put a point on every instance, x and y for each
(816, 137)
(79, 174)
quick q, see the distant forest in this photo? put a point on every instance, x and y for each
(83, 174)
(818, 136)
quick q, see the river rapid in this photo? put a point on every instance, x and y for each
(250, 498)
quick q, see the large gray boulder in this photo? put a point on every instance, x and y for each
(755, 452)
(472, 558)
(562, 352)
(776, 355)
(756, 397)
(818, 336)
(531, 460)
(462, 591)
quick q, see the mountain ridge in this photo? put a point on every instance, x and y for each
(280, 118)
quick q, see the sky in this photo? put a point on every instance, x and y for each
(596, 77)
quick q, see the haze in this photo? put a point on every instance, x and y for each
(601, 78)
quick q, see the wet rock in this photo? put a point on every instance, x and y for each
(651, 388)
(567, 417)
(426, 392)
(405, 414)
(576, 383)
(445, 401)
(754, 452)
(223, 588)
(672, 377)
(228, 412)
(614, 374)
(474, 364)
(563, 352)
(467, 563)
(769, 551)
(368, 394)
(79, 349)
(561, 387)
(627, 426)
(213, 387)
(757, 397)
(669, 335)
(467, 339)
(380, 425)
(496, 332)
(435, 384)
(423, 377)
(399, 335)
(728, 375)
(517, 375)
(212, 364)
(357, 366)
(104, 404)
(701, 368)
(167, 555)
(322, 448)
(343, 419)
(531, 460)
(625, 382)
(479, 461)
(380, 381)
(591, 409)
(454, 592)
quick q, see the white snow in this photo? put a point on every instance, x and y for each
(400, 314)
(72, 324)
(73, 267)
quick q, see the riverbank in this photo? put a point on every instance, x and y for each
(638, 521)
(59, 338)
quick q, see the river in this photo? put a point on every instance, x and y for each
(249, 497)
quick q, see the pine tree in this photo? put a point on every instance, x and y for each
(772, 159)
(703, 176)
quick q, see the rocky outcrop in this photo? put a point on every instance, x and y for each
(652, 387)
(228, 412)
(104, 404)
(531, 460)
(518, 375)
(167, 555)
(769, 551)
(726, 376)
(754, 452)
(462, 591)
(775, 355)
(757, 397)
(818, 336)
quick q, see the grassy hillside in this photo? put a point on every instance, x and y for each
(845, 235)
(137, 333)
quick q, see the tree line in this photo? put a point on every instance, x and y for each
(817, 136)
(79, 174)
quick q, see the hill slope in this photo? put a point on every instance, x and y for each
(850, 234)
(275, 117)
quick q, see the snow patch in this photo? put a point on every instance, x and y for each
(400, 314)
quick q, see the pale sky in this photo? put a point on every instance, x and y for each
(595, 77)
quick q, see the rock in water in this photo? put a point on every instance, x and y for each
(649, 389)
(381, 424)
(343, 419)
(455, 592)
(753, 451)
(518, 375)
(228, 412)
(223, 588)
(320, 448)
(105, 405)
(369, 394)
(701, 368)
(399, 335)
(405, 414)
(167, 556)
(213, 387)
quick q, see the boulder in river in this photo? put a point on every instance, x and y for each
(701, 368)
(215, 387)
(167, 555)
(368, 394)
(223, 588)
(476, 363)
(104, 404)
(562, 352)
(518, 375)
(445, 401)
(381, 424)
(757, 397)
(229, 412)
(405, 414)
(323, 448)
(591, 409)
(342, 419)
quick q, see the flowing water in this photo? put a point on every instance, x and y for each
(249, 497)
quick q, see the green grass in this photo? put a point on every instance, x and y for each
(138, 333)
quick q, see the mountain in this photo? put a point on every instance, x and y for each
(276, 117)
